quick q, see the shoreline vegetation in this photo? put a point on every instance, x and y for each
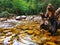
(26, 7)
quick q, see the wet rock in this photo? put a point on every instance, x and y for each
(3, 19)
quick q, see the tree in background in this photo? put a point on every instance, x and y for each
(26, 7)
(29, 6)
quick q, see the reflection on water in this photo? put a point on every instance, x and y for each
(8, 24)
(24, 40)
(25, 32)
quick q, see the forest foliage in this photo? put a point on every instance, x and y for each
(26, 7)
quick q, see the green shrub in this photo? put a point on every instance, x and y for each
(27, 7)
(4, 14)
